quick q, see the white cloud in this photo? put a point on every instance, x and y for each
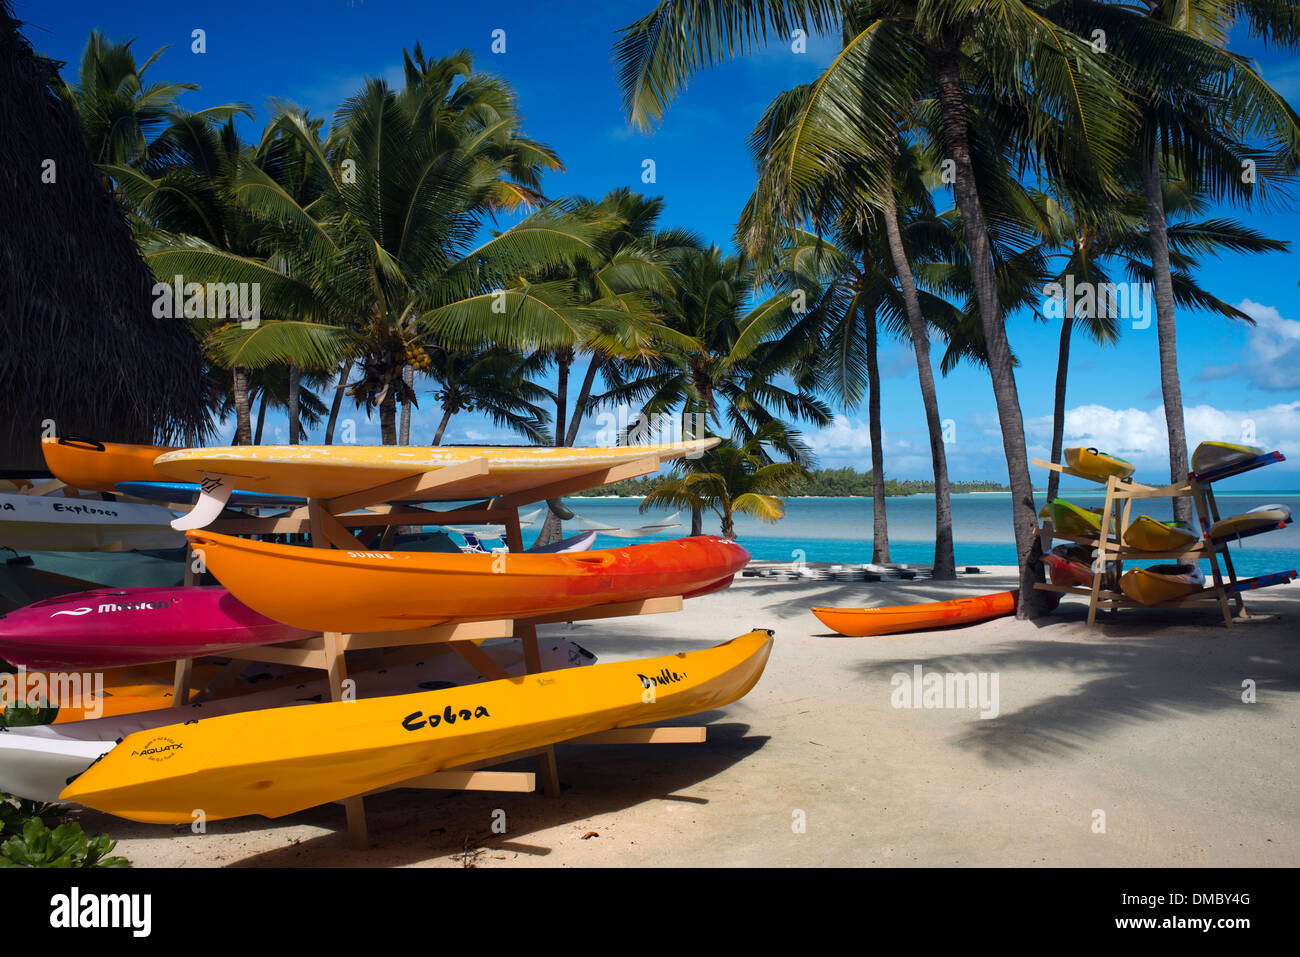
(842, 437)
(1141, 436)
(1272, 353)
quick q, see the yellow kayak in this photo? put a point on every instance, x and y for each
(328, 471)
(1070, 519)
(1097, 466)
(283, 760)
(1149, 535)
(1161, 583)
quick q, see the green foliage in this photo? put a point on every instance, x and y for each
(14, 812)
(16, 717)
(29, 841)
(65, 846)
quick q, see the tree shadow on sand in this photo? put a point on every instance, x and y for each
(412, 826)
(1140, 669)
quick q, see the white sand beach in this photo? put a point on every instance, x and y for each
(1139, 720)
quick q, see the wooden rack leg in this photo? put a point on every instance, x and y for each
(548, 770)
(354, 808)
(181, 681)
(1203, 512)
(1099, 570)
(358, 834)
(1213, 509)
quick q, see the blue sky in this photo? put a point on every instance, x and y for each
(1235, 380)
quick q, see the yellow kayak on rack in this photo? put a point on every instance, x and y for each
(328, 471)
(1150, 535)
(1161, 583)
(283, 760)
(1097, 466)
(1070, 519)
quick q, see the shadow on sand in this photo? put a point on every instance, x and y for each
(1141, 667)
(409, 827)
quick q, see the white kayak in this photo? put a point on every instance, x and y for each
(37, 762)
(1211, 456)
(59, 523)
(1265, 516)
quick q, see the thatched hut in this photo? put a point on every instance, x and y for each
(81, 346)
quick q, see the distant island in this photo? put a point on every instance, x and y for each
(829, 483)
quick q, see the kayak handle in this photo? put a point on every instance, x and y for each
(80, 440)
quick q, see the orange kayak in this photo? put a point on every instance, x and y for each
(99, 466)
(326, 589)
(871, 622)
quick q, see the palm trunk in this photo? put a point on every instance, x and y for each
(1001, 370)
(442, 426)
(408, 379)
(945, 562)
(1058, 407)
(580, 407)
(553, 527)
(295, 388)
(261, 420)
(728, 526)
(338, 401)
(1166, 331)
(243, 410)
(388, 416)
(879, 523)
(563, 360)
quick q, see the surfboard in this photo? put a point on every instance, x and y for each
(329, 471)
(182, 493)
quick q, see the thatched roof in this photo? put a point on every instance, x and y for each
(80, 345)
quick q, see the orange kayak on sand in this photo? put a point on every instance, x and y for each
(99, 466)
(327, 589)
(873, 622)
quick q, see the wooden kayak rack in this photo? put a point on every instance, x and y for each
(375, 514)
(1226, 589)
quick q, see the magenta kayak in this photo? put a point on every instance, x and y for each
(109, 627)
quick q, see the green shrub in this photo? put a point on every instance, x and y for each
(26, 839)
(65, 846)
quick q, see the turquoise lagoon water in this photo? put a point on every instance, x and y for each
(839, 529)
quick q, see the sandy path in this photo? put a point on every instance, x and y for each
(1141, 720)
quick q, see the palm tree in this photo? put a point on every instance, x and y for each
(495, 382)
(379, 260)
(1090, 236)
(815, 164)
(124, 117)
(1204, 112)
(1068, 109)
(732, 478)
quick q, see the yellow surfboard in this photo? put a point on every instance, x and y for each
(283, 760)
(329, 471)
